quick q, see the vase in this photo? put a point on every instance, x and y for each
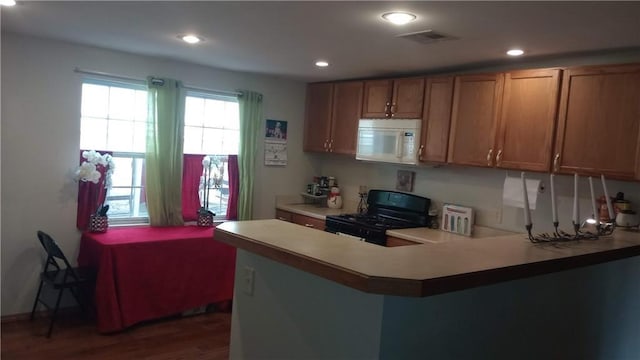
(98, 223)
(205, 220)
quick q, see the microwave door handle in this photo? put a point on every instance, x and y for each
(399, 144)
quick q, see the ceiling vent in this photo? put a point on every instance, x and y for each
(427, 36)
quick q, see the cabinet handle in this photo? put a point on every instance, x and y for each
(325, 144)
(499, 158)
(331, 145)
(281, 218)
(393, 109)
(556, 161)
(489, 156)
(309, 225)
(420, 150)
(387, 109)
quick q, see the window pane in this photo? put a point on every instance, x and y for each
(231, 142)
(122, 103)
(192, 140)
(92, 133)
(214, 113)
(140, 109)
(122, 172)
(120, 136)
(139, 137)
(213, 139)
(194, 111)
(95, 100)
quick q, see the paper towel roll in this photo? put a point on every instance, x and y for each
(512, 192)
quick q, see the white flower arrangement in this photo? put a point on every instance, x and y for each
(89, 171)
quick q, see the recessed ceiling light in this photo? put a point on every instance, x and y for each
(191, 39)
(515, 52)
(322, 63)
(399, 17)
(7, 2)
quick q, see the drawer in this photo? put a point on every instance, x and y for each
(394, 241)
(283, 215)
(308, 221)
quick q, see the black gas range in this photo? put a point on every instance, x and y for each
(385, 210)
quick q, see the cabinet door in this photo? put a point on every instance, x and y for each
(436, 119)
(283, 215)
(317, 123)
(347, 104)
(377, 98)
(407, 100)
(528, 119)
(599, 122)
(474, 119)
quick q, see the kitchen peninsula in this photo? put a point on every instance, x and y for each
(304, 293)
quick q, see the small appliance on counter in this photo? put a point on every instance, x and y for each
(385, 210)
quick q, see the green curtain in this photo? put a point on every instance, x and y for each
(250, 104)
(165, 137)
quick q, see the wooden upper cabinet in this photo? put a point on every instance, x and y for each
(377, 98)
(528, 120)
(599, 122)
(347, 102)
(434, 140)
(317, 125)
(407, 99)
(474, 119)
(332, 114)
(399, 98)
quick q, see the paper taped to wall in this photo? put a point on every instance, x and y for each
(512, 192)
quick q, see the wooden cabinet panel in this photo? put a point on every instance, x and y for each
(377, 98)
(347, 104)
(307, 221)
(283, 215)
(528, 119)
(317, 124)
(407, 100)
(599, 122)
(394, 241)
(399, 98)
(474, 118)
(436, 119)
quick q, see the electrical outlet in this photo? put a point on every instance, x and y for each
(248, 275)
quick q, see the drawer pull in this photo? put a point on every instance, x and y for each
(499, 158)
(555, 162)
(281, 218)
(309, 225)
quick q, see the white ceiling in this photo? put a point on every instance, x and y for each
(285, 38)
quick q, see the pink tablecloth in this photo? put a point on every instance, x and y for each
(150, 272)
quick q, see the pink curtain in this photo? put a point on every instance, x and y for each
(90, 195)
(234, 187)
(191, 172)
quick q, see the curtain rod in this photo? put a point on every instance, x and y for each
(120, 77)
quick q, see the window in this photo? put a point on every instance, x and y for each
(212, 127)
(114, 118)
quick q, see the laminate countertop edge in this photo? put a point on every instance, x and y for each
(419, 287)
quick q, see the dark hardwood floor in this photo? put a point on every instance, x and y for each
(202, 336)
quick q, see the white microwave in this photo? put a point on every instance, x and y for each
(389, 140)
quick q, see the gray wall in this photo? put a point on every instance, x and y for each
(41, 139)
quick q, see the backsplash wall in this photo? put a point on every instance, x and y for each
(478, 188)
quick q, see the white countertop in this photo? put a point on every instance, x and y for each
(409, 270)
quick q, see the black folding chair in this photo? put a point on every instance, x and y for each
(76, 280)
